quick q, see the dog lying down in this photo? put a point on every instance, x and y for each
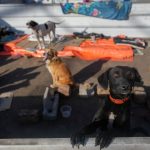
(114, 112)
(41, 30)
(59, 71)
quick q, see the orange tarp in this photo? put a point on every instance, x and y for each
(88, 50)
(11, 48)
(100, 49)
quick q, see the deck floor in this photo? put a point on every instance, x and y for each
(28, 44)
(28, 78)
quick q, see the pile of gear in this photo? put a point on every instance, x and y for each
(6, 34)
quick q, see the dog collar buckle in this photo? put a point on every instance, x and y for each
(118, 101)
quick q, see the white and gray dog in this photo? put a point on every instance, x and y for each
(41, 30)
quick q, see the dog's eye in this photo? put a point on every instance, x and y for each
(116, 75)
(130, 75)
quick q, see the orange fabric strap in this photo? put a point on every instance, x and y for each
(118, 101)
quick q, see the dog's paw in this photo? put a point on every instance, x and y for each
(52, 86)
(98, 138)
(43, 47)
(103, 138)
(78, 139)
(40, 48)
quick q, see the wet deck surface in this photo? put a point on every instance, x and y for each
(28, 78)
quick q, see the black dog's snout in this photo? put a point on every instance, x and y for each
(125, 87)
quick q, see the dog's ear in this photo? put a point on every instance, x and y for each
(32, 23)
(138, 77)
(103, 79)
(53, 51)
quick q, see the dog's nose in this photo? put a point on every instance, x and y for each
(125, 87)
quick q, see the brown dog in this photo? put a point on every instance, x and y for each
(60, 73)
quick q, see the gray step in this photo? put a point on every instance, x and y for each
(128, 143)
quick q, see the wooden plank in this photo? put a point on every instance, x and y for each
(23, 43)
(27, 44)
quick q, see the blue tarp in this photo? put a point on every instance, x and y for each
(110, 9)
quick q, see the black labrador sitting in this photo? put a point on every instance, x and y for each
(114, 111)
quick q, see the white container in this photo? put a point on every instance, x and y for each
(66, 111)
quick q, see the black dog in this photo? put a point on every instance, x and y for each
(114, 110)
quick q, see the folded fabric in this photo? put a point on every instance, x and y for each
(110, 9)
